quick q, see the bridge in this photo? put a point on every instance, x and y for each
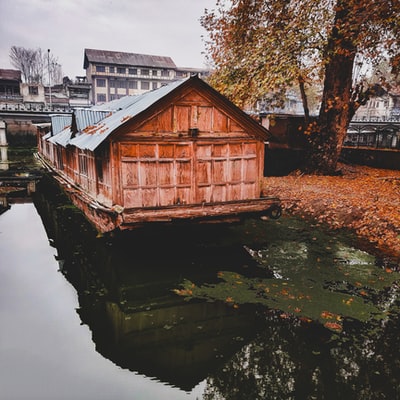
(34, 113)
(21, 118)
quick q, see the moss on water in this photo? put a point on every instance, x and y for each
(311, 274)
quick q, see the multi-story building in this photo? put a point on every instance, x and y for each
(79, 92)
(384, 105)
(18, 95)
(10, 81)
(33, 94)
(115, 74)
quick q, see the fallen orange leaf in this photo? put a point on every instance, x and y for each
(333, 326)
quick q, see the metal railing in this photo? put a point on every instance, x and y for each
(35, 107)
(374, 140)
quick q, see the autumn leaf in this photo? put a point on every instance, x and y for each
(334, 326)
(327, 315)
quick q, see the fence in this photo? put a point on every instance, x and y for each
(374, 136)
(35, 107)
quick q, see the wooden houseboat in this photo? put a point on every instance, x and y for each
(182, 152)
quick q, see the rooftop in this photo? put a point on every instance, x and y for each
(10, 74)
(127, 59)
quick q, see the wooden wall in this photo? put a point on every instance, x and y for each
(163, 162)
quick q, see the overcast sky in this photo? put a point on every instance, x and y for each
(66, 27)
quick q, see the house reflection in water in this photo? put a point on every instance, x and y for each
(125, 286)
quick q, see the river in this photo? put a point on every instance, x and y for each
(265, 310)
(45, 350)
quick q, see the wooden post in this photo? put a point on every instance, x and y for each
(3, 147)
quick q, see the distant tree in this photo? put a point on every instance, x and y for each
(259, 46)
(36, 65)
(23, 59)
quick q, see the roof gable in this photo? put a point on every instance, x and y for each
(91, 135)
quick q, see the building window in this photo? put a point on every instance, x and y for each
(83, 164)
(180, 74)
(145, 72)
(100, 68)
(154, 72)
(164, 72)
(113, 84)
(154, 85)
(100, 82)
(122, 84)
(60, 163)
(101, 97)
(33, 90)
(111, 69)
(103, 158)
(133, 85)
(121, 70)
(99, 169)
(145, 85)
(132, 71)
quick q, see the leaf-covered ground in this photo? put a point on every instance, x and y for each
(363, 199)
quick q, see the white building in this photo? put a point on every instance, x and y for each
(115, 74)
(383, 106)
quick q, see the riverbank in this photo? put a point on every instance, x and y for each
(363, 199)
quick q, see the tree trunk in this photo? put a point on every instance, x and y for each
(334, 117)
(304, 100)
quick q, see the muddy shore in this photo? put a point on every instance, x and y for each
(362, 199)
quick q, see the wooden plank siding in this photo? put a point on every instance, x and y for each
(161, 164)
(154, 174)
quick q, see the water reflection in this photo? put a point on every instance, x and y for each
(289, 361)
(125, 286)
(45, 351)
(126, 294)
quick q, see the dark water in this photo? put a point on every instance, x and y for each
(265, 310)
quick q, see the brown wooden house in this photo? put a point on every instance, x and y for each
(181, 152)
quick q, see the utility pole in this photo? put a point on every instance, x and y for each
(48, 68)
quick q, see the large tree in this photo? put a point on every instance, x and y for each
(266, 46)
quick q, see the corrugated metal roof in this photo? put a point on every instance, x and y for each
(92, 138)
(95, 124)
(62, 138)
(128, 59)
(88, 117)
(59, 122)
